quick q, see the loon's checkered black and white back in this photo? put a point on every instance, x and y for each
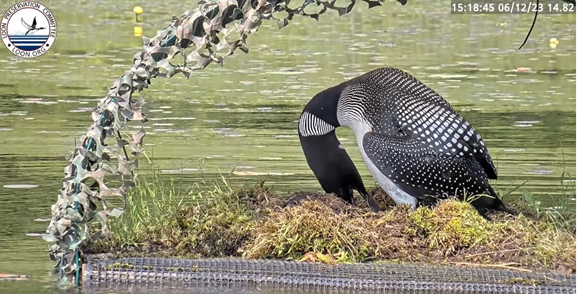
(394, 102)
(413, 136)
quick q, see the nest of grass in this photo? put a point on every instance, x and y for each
(254, 223)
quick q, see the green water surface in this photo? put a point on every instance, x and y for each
(244, 114)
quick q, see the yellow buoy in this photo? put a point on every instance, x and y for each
(553, 43)
(137, 9)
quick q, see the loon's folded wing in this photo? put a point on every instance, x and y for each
(421, 172)
(448, 133)
(447, 128)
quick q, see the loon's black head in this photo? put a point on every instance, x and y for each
(325, 155)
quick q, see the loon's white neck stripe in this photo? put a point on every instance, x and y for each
(311, 125)
(351, 108)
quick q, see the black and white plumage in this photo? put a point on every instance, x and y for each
(414, 143)
(31, 28)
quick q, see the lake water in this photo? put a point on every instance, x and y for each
(244, 114)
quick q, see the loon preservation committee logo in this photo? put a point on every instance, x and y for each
(28, 29)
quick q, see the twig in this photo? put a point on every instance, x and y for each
(493, 252)
(503, 265)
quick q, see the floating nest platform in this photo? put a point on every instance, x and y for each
(316, 241)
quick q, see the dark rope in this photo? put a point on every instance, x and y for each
(532, 26)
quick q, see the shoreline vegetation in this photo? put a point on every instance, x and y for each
(163, 220)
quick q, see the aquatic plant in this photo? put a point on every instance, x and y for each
(254, 223)
(214, 26)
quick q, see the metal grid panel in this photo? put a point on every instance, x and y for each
(360, 276)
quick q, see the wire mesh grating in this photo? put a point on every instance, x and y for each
(359, 276)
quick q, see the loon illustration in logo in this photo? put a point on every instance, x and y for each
(31, 27)
(24, 38)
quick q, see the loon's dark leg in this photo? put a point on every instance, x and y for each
(419, 171)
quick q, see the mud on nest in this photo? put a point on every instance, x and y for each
(255, 223)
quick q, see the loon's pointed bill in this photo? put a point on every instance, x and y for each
(411, 139)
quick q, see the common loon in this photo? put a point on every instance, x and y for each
(414, 143)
